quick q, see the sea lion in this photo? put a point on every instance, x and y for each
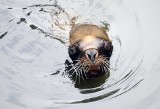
(90, 50)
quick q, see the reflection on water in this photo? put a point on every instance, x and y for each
(33, 50)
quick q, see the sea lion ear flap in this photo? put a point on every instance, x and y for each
(105, 26)
(73, 21)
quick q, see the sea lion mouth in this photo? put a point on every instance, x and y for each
(95, 72)
(87, 69)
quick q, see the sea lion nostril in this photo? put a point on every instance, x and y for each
(91, 54)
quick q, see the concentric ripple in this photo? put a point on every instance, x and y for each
(33, 54)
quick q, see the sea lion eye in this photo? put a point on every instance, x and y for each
(72, 50)
(107, 45)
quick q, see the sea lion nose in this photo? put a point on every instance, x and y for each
(91, 54)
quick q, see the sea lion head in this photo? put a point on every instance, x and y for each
(90, 50)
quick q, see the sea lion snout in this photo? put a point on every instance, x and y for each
(91, 54)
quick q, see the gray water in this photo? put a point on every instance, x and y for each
(33, 49)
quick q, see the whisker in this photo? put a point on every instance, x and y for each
(103, 56)
(71, 70)
(106, 65)
(76, 79)
(102, 67)
(59, 64)
(76, 61)
(76, 71)
(79, 73)
(106, 62)
(82, 75)
(81, 70)
(85, 69)
(79, 78)
(74, 67)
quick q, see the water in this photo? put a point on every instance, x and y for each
(33, 49)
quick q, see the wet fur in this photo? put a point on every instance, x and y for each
(80, 31)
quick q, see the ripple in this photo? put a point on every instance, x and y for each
(33, 52)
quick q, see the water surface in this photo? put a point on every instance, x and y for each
(33, 50)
